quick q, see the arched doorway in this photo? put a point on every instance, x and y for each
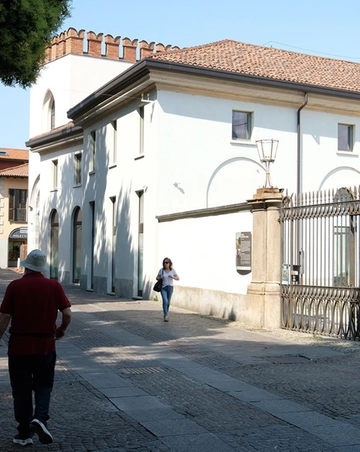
(77, 239)
(54, 245)
(17, 246)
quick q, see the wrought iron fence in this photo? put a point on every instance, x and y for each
(320, 287)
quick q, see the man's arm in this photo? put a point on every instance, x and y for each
(4, 322)
(66, 319)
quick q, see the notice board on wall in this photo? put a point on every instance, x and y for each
(243, 252)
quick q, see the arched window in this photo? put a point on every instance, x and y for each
(48, 120)
(54, 245)
(343, 194)
(52, 114)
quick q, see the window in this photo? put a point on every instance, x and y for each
(17, 205)
(77, 168)
(141, 132)
(48, 118)
(241, 125)
(345, 137)
(54, 174)
(52, 114)
(92, 149)
(114, 141)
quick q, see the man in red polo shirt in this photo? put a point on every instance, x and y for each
(32, 303)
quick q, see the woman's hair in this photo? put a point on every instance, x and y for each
(167, 260)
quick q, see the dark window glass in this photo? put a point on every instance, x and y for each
(17, 205)
(241, 125)
(345, 137)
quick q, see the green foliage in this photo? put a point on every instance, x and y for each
(26, 28)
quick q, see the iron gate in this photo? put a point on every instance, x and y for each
(320, 278)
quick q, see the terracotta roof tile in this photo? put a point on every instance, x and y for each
(14, 154)
(16, 171)
(249, 59)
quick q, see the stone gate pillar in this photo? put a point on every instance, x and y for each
(263, 293)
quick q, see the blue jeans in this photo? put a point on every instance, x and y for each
(166, 294)
(30, 373)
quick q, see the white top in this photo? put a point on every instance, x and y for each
(166, 280)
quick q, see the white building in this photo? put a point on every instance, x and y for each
(160, 158)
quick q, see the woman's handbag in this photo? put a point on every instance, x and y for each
(158, 285)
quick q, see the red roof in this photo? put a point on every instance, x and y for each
(16, 171)
(14, 154)
(254, 60)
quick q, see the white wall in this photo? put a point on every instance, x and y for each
(187, 141)
(64, 199)
(130, 174)
(196, 150)
(203, 251)
(71, 79)
(324, 166)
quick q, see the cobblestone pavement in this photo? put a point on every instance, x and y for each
(127, 381)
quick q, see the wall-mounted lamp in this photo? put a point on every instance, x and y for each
(267, 150)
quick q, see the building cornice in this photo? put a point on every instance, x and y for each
(150, 73)
(149, 70)
(55, 138)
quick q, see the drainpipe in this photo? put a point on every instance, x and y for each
(300, 254)
(299, 164)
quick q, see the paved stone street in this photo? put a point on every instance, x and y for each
(127, 381)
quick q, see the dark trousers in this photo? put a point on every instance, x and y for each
(30, 373)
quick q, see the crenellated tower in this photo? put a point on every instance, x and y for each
(76, 64)
(73, 42)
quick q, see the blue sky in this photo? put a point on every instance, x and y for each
(317, 27)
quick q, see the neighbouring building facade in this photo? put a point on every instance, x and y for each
(147, 151)
(13, 205)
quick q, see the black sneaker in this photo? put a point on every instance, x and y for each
(40, 429)
(18, 439)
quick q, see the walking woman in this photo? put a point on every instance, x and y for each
(167, 273)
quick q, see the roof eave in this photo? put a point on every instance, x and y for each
(51, 138)
(253, 79)
(139, 70)
(132, 75)
(16, 176)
